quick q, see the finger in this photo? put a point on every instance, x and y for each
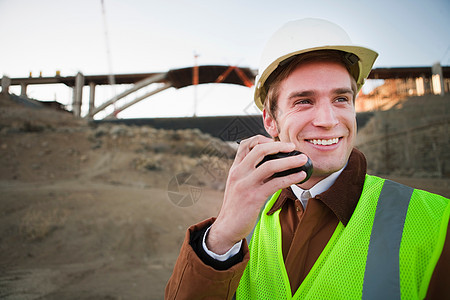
(267, 170)
(275, 183)
(247, 145)
(258, 152)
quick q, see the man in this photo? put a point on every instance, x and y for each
(342, 234)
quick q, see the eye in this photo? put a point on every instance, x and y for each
(342, 99)
(302, 102)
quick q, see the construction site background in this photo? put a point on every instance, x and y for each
(99, 210)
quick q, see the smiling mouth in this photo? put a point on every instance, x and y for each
(324, 142)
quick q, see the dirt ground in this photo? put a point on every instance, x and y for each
(96, 212)
(100, 212)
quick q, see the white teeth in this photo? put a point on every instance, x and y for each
(325, 142)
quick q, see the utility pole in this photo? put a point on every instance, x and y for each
(111, 77)
(195, 82)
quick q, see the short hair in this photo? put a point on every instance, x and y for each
(285, 68)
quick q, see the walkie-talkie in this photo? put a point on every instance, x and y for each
(308, 167)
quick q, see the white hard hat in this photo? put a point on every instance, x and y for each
(306, 35)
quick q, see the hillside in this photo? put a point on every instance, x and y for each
(412, 140)
(95, 212)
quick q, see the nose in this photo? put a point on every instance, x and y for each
(325, 116)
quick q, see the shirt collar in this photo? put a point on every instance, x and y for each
(318, 188)
(344, 193)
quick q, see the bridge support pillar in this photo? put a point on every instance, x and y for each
(91, 100)
(23, 90)
(78, 95)
(6, 82)
(437, 79)
(420, 86)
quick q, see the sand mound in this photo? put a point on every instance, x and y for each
(96, 212)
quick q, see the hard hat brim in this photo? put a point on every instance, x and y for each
(366, 60)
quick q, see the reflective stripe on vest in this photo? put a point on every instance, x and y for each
(382, 265)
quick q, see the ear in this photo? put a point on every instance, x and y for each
(270, 124)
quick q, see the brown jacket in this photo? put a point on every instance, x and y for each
(304, 235)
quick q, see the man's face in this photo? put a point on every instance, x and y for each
(315, 111)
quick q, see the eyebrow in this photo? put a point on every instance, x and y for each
(343, 91)
(308, 93)
(301, 94)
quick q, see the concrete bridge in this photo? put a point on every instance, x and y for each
(160, 81)
(435, 79)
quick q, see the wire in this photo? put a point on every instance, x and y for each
(445, 54)
(111, 77)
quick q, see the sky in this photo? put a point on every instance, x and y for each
(140, 36)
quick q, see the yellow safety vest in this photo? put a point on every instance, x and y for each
(388, 250)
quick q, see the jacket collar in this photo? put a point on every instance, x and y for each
(342, 197)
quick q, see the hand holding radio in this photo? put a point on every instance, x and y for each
(307, 168)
